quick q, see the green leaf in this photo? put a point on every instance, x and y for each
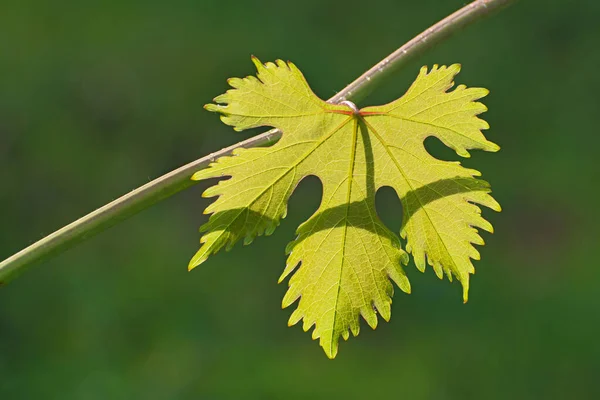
(344, 257)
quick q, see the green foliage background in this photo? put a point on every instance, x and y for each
(99, 97)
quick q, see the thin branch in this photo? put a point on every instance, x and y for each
(472, 12)
(179, 179)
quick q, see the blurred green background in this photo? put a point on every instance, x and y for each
(97, 98)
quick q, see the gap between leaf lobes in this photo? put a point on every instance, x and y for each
(344, 258)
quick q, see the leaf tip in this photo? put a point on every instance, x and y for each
(192, 265)
(463, 153)
(331, 351)
(199, 258)
(213, 107)
(455, 67)
(257, 63)
(295, 318)
(465, 290)
(198, 176)
(493, 147)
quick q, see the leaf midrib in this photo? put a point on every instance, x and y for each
(416, 121)
(344, 236)
(390, 154)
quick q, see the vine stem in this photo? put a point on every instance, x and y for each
(179, 179)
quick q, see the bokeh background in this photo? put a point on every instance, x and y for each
(97, 98)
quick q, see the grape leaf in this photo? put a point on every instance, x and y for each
(344, 257)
